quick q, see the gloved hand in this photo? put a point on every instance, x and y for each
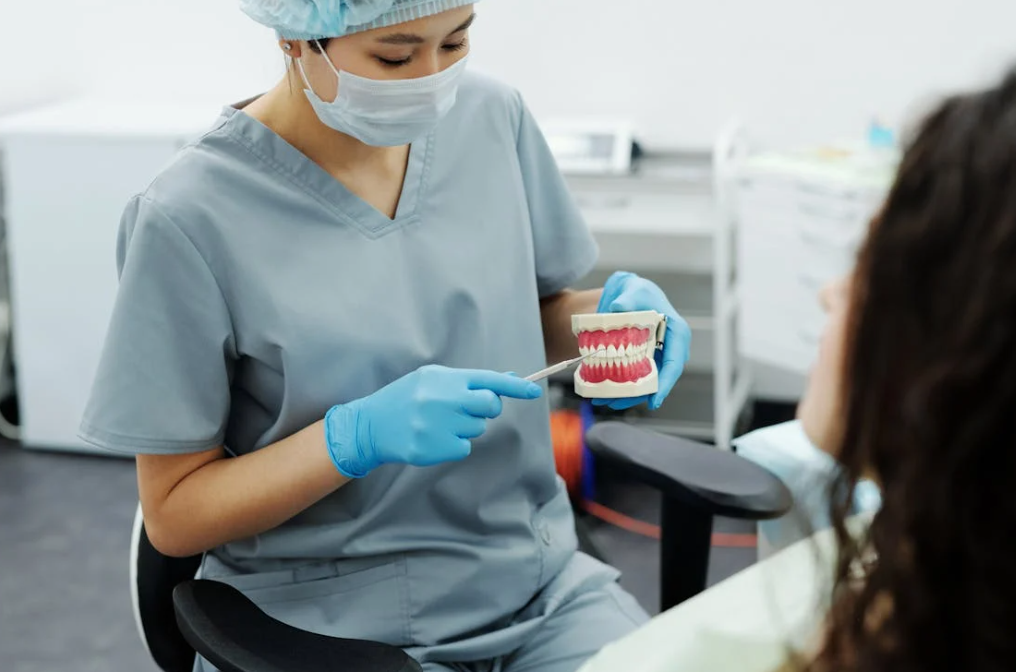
(425, 418)
(626, 292)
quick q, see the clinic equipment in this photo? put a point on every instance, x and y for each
(177, 615)
(319, 19)
(427, 417)
(880, 136)
(623, 348)
(60, 144)
(560, 366)
(801, 217)
(588, 147)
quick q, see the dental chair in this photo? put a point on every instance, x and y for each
(178, 615)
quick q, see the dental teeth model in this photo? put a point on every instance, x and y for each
(624, 364)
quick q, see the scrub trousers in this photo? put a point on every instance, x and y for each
(582, 610)
(567, 638)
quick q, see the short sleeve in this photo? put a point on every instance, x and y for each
(163, 379)
(564, 247)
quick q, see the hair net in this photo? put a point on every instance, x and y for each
(316, 19)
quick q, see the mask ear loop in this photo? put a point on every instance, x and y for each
(303, 75)
(324, 55)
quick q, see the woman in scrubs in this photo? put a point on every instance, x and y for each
(318, 301)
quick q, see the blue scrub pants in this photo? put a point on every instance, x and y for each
(582, 610)
(569, 637)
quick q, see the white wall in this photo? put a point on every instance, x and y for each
(794, 69)
(26, 75)
(204, 50)
(198, 49)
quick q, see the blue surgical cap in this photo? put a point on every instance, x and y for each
(317, 19)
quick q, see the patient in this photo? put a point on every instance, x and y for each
(915, 387)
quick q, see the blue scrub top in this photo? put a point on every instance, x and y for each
(256, 291)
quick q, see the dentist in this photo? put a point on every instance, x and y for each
(317, 301)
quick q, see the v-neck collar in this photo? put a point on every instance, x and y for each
(293, 164)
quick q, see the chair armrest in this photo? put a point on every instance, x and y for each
(698, 475)
(232, 633)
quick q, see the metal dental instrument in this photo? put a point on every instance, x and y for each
(551, 370)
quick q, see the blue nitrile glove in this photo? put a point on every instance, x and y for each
(626, 292)
(424, 418)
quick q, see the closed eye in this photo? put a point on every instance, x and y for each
(389, 63)
(398, 63)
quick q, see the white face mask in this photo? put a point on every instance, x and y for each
(386, 113)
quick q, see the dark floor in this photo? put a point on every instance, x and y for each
(64, 537)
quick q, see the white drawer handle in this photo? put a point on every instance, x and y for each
(616, 203)
(815, 240)
(823, 213)
(828, 193)
(810, 281)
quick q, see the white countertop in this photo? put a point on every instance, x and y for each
(104, 117)
(745, 623)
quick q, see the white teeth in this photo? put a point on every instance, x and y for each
(610, 355)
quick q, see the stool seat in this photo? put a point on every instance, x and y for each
(237, 636)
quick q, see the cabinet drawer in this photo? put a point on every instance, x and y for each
(647, 212)
(818, 223)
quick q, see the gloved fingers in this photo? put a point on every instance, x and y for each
(451, 449)
(463, 447)
(621, 404)
(676, 350)
(669, 375)
(482, 404)
(627, 303)
(469, 427)
(642, 299)
(678, 329)
(504, 385)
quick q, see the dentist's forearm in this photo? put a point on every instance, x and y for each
(195, 502)
(556, 313)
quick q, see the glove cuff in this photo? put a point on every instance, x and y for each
(341, 439)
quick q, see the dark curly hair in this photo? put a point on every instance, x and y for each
(930, 407)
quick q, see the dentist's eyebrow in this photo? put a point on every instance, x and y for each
(413, 38)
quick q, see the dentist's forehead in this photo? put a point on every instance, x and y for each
(416, 32)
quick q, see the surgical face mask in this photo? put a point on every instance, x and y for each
(386, 113)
